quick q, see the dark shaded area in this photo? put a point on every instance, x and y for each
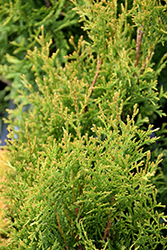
(3, 113)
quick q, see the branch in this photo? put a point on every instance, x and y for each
(77, 212)
(94, 81)
(95, 78)
(147, 59)
(61, 231)
(107, 230)
(138, 47)
(5, 81)
(47, 3)
(138, 44)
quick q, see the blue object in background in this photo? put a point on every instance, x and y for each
(4, 132)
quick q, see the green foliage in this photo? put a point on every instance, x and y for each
(88, 192)
(84, 178)
(20, 24)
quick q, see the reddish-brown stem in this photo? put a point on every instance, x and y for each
(147, 59)
(138, 47)
(77, 209)
(61, 232)
(79, 247)
(138, 44)
(112, 200)
(107, 230)
(95, 78)
(94, 81)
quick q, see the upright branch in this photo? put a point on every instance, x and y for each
(138, 44)
(95, 78)
(61, 231)
(77, 213)
(138, 48)
(107, 230)
(94, 81)
(147, 59)
(108, 226)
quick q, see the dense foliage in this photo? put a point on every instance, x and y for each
(83, 175)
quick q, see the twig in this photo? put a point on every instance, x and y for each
(5, 81)
(147, 59)
(138, 44)
(77, 212)
(95, 78)
(94, 81)
(79, 246)
(47, 3)
(107, 230)
(61, 232)
(138, 47)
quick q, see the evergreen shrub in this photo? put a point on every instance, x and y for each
(84, 176)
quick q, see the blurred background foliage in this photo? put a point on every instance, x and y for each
(20, 24)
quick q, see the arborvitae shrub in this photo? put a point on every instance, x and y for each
(83, 175)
